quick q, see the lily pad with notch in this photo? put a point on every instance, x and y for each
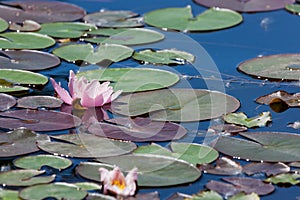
(182, 19)
(6, 101)
(31, 60)
(34, 102)
(114, 19)
(86, 52)
(284, 67)
(138, 130)
(38, 120)
(19, 142)
(83, 145)
(176, 104)
(133, 79)
(124, 36)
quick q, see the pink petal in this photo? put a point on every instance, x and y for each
(116, 95)
(63, 94)
(79, 87)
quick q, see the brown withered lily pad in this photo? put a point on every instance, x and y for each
(268, 168)
(34, 102)
(40, 11)
(138, 130)
(292, 100)
(6, 101)
(27, 25)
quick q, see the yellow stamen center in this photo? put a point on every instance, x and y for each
(119, 183)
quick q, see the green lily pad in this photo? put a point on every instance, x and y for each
(86, 52)
(242, 119)
(153, 170)
(98, 196)
(284, 178)
(113, 19)
(56, 190)
(88, 186)
(189, 152)
(206, 195)
(182, 19)
(293, 8)
(65, 29)
(24, 177)
(85, 145)
(9, 195)
(166, 56)
(266, 146)
(243, 196)
(38, 161)
(124, 36)
(282, 67)
(133, 79)
(3, 25)
(21, 40)
(176, 104)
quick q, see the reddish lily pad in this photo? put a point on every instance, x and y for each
(19, 142)
(40, 11)
(26, 26)
(292, 100)
(224, 166)
(247, 5)
(138, 130)
(27, 60)
(6, 101)
(268, 168)
(34, 102)
(38, 120)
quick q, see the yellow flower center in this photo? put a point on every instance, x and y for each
(119, 183)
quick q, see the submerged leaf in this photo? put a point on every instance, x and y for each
(242, 119)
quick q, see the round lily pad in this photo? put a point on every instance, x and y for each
(34, 102)
(40, 11)
(176, 104)
(182, 19)
(86, 52)
(19, 142)
(31, 60)
(24, 177)
(65, 29)
(133, 79)
(153, 170)
(38, 120)
(246, 5)
(114, 19)
(9, 194)
(57, 190)
(85, 145)
(6, 101)
(3, 25)
(282, 66)
(38, 161)
(262, 146)
(124, 36)
(23, 40)
(26, 26)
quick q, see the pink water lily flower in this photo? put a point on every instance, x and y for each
(115, 182)
(91, 94)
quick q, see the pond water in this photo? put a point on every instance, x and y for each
(218, 54)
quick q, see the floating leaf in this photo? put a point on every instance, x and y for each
(24, 177)
(86, 52)
(183, 20)
(27, 60)
(38, 120)
(38, 161)
(40, 11)
(247, 5)
(268, 168)
(133, 79)
(282, 66)
(21, 40)
(295, 125)
(138, 130)
(206, 195)
(124, 36)
(34, 102)
(3, 25)
(19, 142)
(293, 8)
(189, 152)
(85, 145)
(292, 100)
(166, 56)
(9, 194)
(236, 185)
(228, 128)
(179, 196)
(26, 26)
(266, 146)
(242, 119)
(88, 186)
(98, 196)
(153, 170)
(57, 190)
(6, 101)
(176, 104)
(65, 29)
(284, 178)
(224, 166)
(113, 19)
(243, 196)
